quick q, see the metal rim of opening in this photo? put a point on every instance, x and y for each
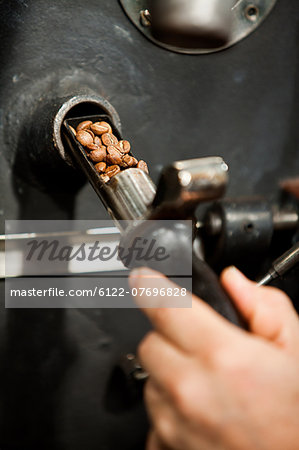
(97, 104)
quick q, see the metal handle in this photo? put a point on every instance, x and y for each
(176, 237)
(206, 285)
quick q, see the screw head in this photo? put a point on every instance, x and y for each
(252, 13)
(145, 18)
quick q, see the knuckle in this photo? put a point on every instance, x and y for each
(194, 400)
(172, 385)
(180, 393)
(150, 393)
(230, 360)
(220, 358)
(166, 429)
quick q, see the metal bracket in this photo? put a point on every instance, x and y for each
(246, 17)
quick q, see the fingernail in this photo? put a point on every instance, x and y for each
(232, 272)
(236, 274)
(232, 269)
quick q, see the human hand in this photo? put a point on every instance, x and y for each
(215, 386)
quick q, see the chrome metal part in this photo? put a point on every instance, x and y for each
(213, 223)
(265, 280)
(237, 227)
(145, 18)
(128, 194)
(127, 380)
(245, 17)
(192, 23)
(185, 184)
(282, 265)
(285, 219)
(133, 368)
(16, 243)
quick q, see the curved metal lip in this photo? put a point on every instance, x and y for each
(101, 102)
(131, 191)
(125, 174)
(242, 24)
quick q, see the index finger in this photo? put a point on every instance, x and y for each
(197, 328)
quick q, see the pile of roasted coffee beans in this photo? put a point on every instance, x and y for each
(105, 151)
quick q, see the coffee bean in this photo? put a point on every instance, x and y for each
(109, 139)
(128, 161)
(112, 170)
(84, 125)
(97, 141)
(100, 167)
(98, 155)
(100, 128)
(124, 146)
(107, 154)
(106, 124)
(92, 147)
(113, 155)
(91, 134)
(84, 138)
(142, 165)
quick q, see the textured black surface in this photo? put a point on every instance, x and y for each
(240, 104)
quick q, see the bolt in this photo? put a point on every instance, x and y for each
(145, 18)
(252, 13)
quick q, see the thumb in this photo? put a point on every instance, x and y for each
(154, 442)
(268, 311)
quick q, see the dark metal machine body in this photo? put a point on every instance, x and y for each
(56, 366)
